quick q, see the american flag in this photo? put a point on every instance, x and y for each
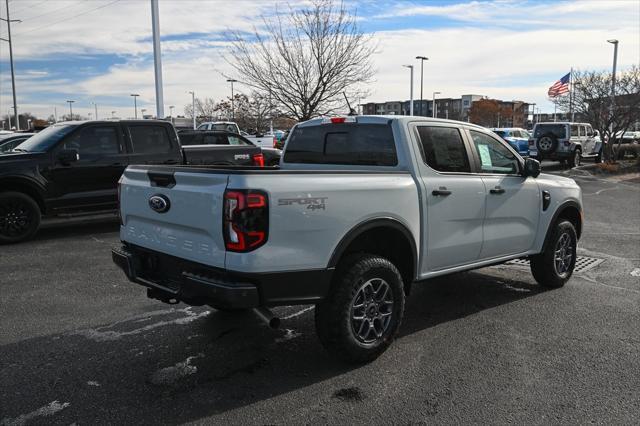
(559, 87)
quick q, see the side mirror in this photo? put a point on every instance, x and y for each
(68, 156)
(531, 168)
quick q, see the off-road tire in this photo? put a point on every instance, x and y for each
(19, 217)
(333, 316)
(543, 265)
(547, 143)
(576, 157)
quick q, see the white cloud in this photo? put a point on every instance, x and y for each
(504, 49)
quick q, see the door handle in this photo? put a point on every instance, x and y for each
(497, 190)
(441, 191)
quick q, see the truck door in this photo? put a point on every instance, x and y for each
(513, 202)
(453, 199)
(90, 183)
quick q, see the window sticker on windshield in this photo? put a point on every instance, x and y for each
(485, 156)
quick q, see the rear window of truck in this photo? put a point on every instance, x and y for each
(343, 143)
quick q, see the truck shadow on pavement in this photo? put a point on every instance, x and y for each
(76, 228)
(180, 364)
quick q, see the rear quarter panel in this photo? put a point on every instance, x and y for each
(309, 213)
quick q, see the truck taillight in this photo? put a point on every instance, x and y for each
(275, 142)
(258, 160)
(246, 220)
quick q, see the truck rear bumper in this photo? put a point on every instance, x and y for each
(173, 279)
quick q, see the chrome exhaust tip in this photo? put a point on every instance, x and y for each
(267, 316)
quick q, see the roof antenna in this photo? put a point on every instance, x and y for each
(351, 110)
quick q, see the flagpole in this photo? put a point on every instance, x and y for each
(571, 93)
(555, 104)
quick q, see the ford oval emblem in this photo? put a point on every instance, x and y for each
(159, 203)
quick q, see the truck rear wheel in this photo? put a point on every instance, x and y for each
(361, 316)
(553, 267)
(19, 217)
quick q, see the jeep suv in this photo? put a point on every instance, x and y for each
(566, 142)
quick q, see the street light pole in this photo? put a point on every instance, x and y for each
(613, 81)
(433, 112)
(410, 88)
(233, 109)
(193, 108)
(171, 107)
(70, 110)
(95, 105)
(422, 59)
(157, 58)
(135, 104)
(13, 75)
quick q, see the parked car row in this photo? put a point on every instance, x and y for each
(72, 168)
(566, 142)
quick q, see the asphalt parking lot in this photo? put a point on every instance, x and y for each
(80, 344)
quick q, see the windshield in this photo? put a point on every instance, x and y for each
(45, 139)
(558, 130)
(501, 133)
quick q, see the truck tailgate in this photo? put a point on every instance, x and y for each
(191, 225)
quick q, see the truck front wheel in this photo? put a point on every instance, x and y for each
(19, 217)
(553, 267)
(361, 316)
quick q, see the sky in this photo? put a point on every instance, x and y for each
(100, 51)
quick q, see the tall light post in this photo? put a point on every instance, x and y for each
(410, 88)
(171, 107)
(157, 58)
(612, 103)
(13, 75)
(70, 110)
(233, 109)
(95, 105)
(135, 104)
(193, 108)
(422, 59)
(433, 111)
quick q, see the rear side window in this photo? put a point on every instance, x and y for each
(443, 149)
(574, 130)
(344, 143)
(149, 139)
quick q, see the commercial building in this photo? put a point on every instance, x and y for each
(450, 108)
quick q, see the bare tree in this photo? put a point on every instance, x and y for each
(205, 109)
(591, 98)
(305, 59)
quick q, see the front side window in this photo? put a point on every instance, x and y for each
(235, 140)
(443, 149)
(149, 139)
(94, 141)
(494, 156)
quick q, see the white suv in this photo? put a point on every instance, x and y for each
(566, 142)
